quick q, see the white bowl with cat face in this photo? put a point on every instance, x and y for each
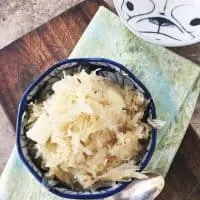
(162, 22)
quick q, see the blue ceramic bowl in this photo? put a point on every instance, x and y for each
(42, 86)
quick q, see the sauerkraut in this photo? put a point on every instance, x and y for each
(89, 130)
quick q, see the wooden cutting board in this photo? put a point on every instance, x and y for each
(22, 61)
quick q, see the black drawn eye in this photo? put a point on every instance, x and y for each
(129, 5)
(195, 22)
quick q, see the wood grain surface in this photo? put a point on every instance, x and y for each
(22, 61)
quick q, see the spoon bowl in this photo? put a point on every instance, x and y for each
(142, 189)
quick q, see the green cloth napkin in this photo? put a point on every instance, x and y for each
(173, 81)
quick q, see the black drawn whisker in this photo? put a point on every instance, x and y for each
(165, 6)
(159, 33)
(172, 15)
(122, 4)
(142, 13)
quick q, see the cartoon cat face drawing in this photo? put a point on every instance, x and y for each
(163, 20)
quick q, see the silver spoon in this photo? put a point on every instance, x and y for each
(143, 189)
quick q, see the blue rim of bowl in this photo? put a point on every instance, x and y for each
(21, 108)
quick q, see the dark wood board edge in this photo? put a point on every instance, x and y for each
(183, 178)
(23, 60)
